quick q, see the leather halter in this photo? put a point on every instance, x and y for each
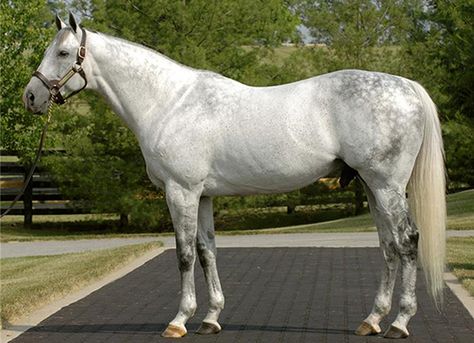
(54, 86)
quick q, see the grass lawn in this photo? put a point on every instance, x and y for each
(30, 282)
(460, 217)
(15, 234)
(460, 258)
(64, 227)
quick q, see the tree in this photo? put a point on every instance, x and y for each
(355, 31)
(453, 33)
(25, 34)
(229, 37)
(441, 51)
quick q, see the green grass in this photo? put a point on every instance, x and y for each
(461, 210)
(460, 258)
(15, 234)
(64, 227)
(362, 223)
(30, 282)
(461, 203)
(460, 217)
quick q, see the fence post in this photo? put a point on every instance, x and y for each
(28, 201)
(123, 220)
(359, 196)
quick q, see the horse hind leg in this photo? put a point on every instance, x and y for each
(407, 247)
(398, 239)
(206, 248)
(383, 298)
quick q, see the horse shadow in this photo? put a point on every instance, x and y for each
(153, 328)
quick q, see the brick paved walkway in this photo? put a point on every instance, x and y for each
(272, 295)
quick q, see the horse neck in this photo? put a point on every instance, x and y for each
(139, 84)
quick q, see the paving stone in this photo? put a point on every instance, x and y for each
(272, 295)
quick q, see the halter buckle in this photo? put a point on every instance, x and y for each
(81, 53)
(76, 67)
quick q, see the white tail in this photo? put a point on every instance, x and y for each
(427, 196)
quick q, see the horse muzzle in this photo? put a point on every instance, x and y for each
(36, 97)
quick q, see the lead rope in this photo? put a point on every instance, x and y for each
(35, 162)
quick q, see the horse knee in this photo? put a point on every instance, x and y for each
(206, 256)
(408, 304)
(186, 258)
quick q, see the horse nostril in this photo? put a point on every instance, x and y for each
(31, 96)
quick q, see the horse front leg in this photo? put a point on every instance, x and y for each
(206, 248)
(183, 205)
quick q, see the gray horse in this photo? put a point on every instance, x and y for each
(204, 135)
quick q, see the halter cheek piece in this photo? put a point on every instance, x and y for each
(54, 86)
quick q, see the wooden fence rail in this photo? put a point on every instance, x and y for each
(41, 196)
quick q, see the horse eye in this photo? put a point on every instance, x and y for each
(63, 53)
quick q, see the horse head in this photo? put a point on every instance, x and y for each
(56, 75)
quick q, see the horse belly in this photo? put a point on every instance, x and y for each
(270, 164)
(267, 182)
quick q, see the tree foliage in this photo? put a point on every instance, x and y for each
(453, 48)
(441, 56)
(25, 35)
(229, 37)
(356, 31)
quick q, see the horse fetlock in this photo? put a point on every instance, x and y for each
(217, 302)
(190, 309)
(408, 308)
(187, 309)
(381, 308)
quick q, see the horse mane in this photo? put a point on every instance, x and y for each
(145, 47)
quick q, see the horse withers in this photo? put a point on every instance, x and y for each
(204, 135)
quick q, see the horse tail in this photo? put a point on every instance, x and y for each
(427, 198)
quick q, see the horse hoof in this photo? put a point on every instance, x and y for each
(174, 331)
(396, 332)
(366, 329)
(207, 328)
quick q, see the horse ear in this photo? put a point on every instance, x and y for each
(59, 23)
(72, 22)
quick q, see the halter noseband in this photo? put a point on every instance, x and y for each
(54, 86)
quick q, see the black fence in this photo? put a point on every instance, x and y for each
(41, 196)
